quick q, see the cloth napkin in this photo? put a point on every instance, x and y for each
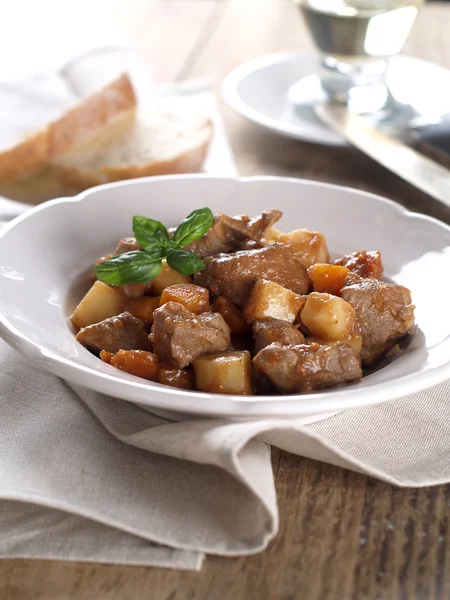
(86, 477)
(92, 478)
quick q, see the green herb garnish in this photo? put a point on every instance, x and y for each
(142, 266)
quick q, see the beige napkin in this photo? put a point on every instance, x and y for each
(91, 478)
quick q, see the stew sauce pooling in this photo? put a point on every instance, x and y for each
(268, 314)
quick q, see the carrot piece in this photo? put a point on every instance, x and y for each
(231, 315)
(328, 278)
(106, 356)
(143, 308)
(194, 297)
(179, 378)
(136, 362)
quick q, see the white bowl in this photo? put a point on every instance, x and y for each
(44, 251)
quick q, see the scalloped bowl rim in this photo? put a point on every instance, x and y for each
(172, 399)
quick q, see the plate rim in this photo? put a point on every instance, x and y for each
(230, 406)
(233, 99)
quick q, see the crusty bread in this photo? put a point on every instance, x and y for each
(99, 118)
(103, 139)
(158, 143)
(36, 188)
(29, 156)
(96, 121)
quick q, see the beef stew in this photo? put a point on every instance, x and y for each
(242, 308)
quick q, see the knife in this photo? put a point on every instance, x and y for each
(432, 139)
(420, 171)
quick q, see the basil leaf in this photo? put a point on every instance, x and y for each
(148, 232)
(154, 250)
(172, 245)
(184, 261)
(130, 267)
(193, 227)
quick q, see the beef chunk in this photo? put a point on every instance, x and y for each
(126, 244)
(233, 275)
(262, 386)
(179, 336)
(256, 228)
(131, 290)
(123, 332)
(268, 332)
(309, 367)
(384, 312)
(229, 234)
(363, 263)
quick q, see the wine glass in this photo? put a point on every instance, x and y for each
(355, 38)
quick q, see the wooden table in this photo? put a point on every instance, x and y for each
(342, 535)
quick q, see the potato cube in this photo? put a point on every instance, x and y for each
(194, 297)
(309, 247)
(143, 308)
(101, 302)
(166, 278)
(269, 300)
(231, 315)
(224, 373)
(328, 278)
(136, 362)
(272, 235)
(179, 378)
(328, 317)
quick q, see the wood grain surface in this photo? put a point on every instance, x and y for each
(342, 536)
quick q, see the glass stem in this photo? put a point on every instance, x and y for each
(360, 85)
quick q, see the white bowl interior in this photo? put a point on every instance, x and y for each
(44, 251)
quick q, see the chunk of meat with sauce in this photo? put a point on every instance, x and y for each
(308, 367)
(364, 263)
(123, 332)
(233, 275)
(384, 312)
(179, 336)
(229, 234)
(132, 290)
(126, 244)
(268, 332)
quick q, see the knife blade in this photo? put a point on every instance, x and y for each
(410, 165)
(432, 140)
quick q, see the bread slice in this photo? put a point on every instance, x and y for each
(29, 156)
(103, 139)
(95, 121)
(36, 188)
(159, 142)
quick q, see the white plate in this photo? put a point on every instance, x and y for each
(259, 90)
(46, 249)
